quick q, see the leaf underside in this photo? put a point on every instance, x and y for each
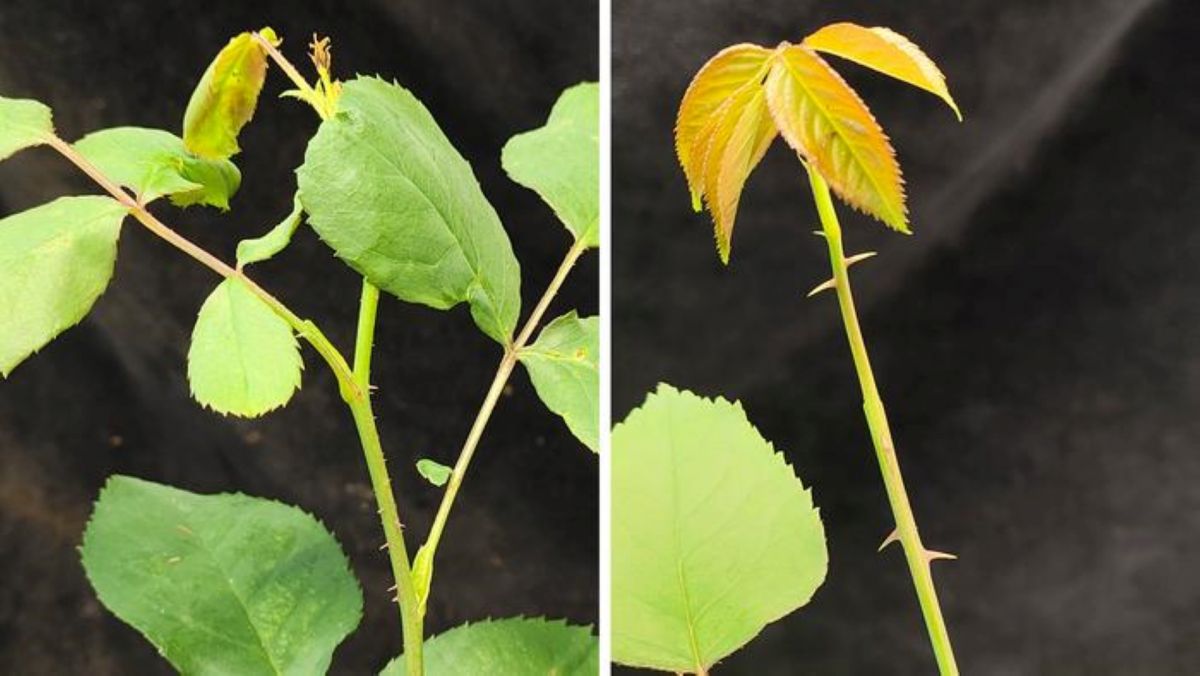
(154, 163)
(561, 161)
(385, 189)
(221, 584)
(564, 366)
(23, 124)
(886, 51)
(509, 647)
(713, 536)
(244, 359)
(55, 261)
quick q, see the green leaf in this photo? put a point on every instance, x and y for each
(226, 96)
(221, 584)
(434, 472)
(385, 189)
(510, 647)
(153, 163)
(564, 365)
(244, 359)
(23, 124)
(55, 261)
(263, 248)
(561, 161)
(713, 536)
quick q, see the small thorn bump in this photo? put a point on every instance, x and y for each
(893, 536)
(823, 286)
(383, 546)
(819, 233)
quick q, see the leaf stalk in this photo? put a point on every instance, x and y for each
(917, 556)
(507, 363)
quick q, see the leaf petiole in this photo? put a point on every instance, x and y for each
(503, 371)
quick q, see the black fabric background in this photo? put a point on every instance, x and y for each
(1037, 341)
(111, 396)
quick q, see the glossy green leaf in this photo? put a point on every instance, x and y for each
(713, 536)
(561, 161)
(434, 472)
(221, 584)
(244, 359)
(153, 163)
(55, 261)
(23, 124)
(564, 366)
(383, 186)
(263, 248)
(226, 96)
(510, 647)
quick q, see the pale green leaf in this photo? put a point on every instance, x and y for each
(561, 161)
(23, 124)
(221, 584)
(244, 359)
(564, 366)
(226, 96)
(713, 536)
(383, 186)
(510, 647)
(434, 472)
(153, 163)
(55, 261)
(263, 248)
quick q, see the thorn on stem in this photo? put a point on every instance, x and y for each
(931, 555)
(392, 588)
(893, 536)
(383, 546)
(823, 286)
(857, 258)
(819, 233)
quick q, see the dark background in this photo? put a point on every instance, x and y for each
(111, 395)
(1037, 341)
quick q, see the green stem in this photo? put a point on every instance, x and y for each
(881, 436)
(509, 361)
(411, 617)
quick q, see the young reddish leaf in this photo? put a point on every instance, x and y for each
(886, 51)
(225, 99)
(730, 71)
(826, 122)
(737, 142)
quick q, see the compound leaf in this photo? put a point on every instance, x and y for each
(826, 122)
(561, 161)
(732, 70)
(154, 163)
(23, 124)
(244, 359)
(55, 261)
(564, 367)
(226, 96)
(385, 189)
(713, 536)
(275, 240)
(509, 647)
(884, 50)
(221, 584)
